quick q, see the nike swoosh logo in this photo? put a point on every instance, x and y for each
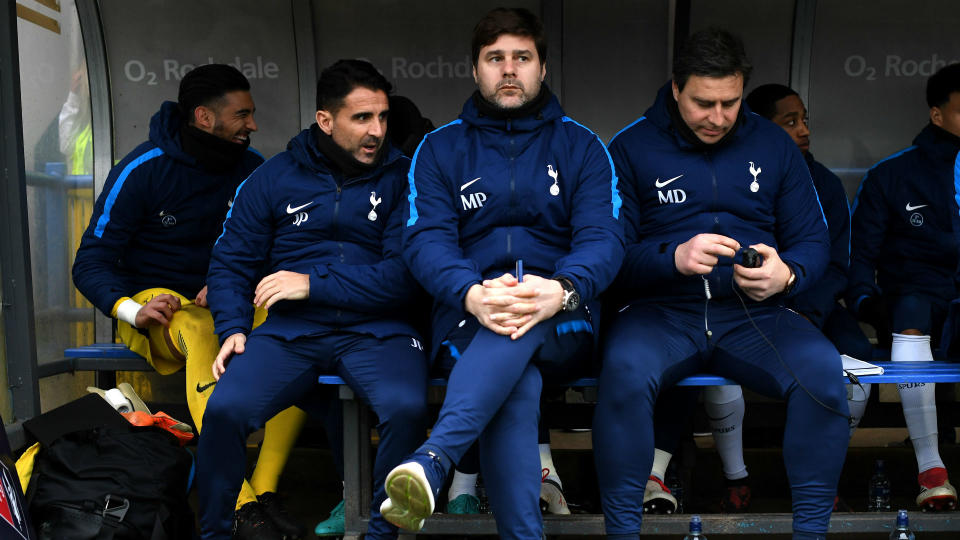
(712, 419)
(200, 389)
(912, 208)
(660, 184)
(465, 186)
(301, 207)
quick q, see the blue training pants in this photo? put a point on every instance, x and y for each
(650, 347)
(494, 395)
(389, 375)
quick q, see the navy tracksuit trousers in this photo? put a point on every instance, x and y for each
(651, 346)
(389, 375)
(494, 395)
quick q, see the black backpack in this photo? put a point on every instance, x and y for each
(115, 481)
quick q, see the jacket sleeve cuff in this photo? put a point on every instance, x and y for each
(316, 283)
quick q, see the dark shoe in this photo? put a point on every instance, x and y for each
(287, 525)
(736, 500)
(251, 522)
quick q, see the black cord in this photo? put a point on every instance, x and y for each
(853, 379)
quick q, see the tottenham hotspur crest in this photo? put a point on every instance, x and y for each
(553, 173)
(755, 171)
(374, 201)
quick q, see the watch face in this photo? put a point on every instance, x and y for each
(572, 301)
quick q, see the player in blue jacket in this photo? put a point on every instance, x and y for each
(701, 178)
(314, 236)
(903, 232)
(511, 179)
(143, 259)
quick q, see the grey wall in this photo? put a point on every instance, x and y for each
(869, 66)
(151, 44)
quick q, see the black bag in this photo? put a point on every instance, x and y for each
(112, 482)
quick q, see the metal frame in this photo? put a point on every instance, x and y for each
(101, 119)
(804, 15)
(17, 286)
(306, 60)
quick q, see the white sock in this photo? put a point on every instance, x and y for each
(919, 401)
(660, 461)
(462, 484)
(857, 401)
(546, 464)
(725, 407)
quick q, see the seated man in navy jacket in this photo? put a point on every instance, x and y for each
(512, 178)
(904, 260)
(702, 178)
(314, 236)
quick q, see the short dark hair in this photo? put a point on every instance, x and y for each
(206, 85)
(711, 52)
(942, 84)
(513, 21)
(342, 77)
(763, 99)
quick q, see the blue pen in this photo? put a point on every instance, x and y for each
(520, 270)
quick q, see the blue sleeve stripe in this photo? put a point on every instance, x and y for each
(454, 353)
(254, 150)
(230, 211)
(414, 216)
(118, 185)
(630, 125)
(615, 199)
(572, 327)
(856, 199)
(956, 179)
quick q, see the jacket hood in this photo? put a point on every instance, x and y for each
(549, 113)
(303, 147)
(938, 142)
(165, 132)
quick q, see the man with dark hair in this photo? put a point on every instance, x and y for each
(513, 185)
(144, 257)
(903, 263)
(314, 236)
(701, 179)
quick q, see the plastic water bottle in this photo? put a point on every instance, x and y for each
(696, 530)
(879, 492)
(902, 532)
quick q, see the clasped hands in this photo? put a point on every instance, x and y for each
(510, 308)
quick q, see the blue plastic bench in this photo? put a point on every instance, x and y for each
(358, 483)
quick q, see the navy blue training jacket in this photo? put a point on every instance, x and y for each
(902, 227)
(481, 197)
(298, 213)
(673, 191)
(820, 299)
(156, 219)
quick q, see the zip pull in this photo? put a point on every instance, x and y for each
(706, 307)
(706, 287)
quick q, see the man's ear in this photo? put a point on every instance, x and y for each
(676, 91)
(325, 121)
(543, 71)
(475, 81)
(936, 116)
(204, 118)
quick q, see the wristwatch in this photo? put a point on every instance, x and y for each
(791, 281)
(571, 298)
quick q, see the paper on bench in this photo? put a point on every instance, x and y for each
(859, 367)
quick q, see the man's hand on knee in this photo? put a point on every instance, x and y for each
(159, 310)
(699, 254)
(500, 304)
(767, 280)
(547, 301)
(201, 299)
(234, 344)
(282, 285)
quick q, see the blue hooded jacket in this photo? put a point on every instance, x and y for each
(903, 222)
(673, 190)
(819, 300)
(297, 212)
(156, 219)
(482, 196)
